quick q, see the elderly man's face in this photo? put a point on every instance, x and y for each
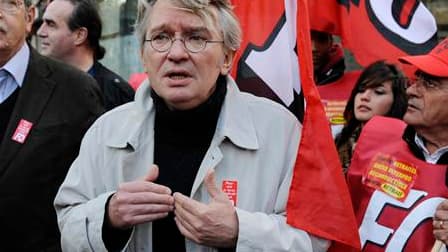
(427, 107)
(182, 78)
(15, 24)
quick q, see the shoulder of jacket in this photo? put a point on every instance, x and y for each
(113, 78)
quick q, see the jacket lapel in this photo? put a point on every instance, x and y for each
(31, 102)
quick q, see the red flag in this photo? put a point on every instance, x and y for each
(377, 29)
(268, 65)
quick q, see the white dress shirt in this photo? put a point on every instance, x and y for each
(16, 68)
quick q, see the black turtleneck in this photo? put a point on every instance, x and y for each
(181, 139)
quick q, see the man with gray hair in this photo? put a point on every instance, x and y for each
(193, 160)
(45, 109)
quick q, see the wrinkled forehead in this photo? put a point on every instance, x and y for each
(171, 15)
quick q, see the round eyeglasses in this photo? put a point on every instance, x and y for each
(9, 6)
(193, 43)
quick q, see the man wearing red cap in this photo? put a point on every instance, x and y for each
(398, 175)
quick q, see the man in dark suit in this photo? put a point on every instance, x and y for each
(70, 32)
(45, 109)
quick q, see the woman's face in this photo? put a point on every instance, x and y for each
(373, 101)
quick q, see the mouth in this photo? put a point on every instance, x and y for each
(412, 106)
(178, 75)
(363, 108)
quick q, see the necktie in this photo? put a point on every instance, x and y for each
(5, 89)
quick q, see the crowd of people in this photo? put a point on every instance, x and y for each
(188, 157)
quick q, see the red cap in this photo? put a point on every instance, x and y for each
(435, 63)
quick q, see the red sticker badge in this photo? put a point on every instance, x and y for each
(230, 187)
(22, 131)
(391, 176)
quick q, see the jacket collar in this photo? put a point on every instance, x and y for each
(235, 121)
(409, 137)
(135, 126)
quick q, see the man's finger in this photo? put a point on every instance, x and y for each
(185, 215)
(184, 230)
(152, 174)
(143, 186)
(213, 190)
(210, 183)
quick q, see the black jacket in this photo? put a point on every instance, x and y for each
(116, 90)
(61, 103)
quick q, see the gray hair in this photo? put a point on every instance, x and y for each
(228, 21)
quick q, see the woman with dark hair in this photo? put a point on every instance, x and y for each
(380, 90)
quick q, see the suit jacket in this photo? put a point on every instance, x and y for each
(116, 90)
(61, 103)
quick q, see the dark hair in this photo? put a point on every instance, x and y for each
(85, 14)
(373, 76)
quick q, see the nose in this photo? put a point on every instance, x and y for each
(177, 51)
(41, 32)
(412, 90)
(365, 95)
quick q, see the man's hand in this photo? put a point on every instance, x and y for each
(213, 225)
(440, 222)
(140, 201)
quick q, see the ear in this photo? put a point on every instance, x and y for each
(228, 60)
(81, 35)
(30, 13)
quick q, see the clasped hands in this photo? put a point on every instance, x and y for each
(214, 224)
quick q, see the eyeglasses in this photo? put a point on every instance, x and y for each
(9, 6)
(425, 81)
(193, 43)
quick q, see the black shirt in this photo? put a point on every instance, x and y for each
(181, 139)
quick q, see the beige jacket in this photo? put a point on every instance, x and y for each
(255, 143)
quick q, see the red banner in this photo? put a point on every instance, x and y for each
(268, 64)
(334, 98)
(377, 29)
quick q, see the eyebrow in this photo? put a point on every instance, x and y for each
(187, 30)
(425, 75)
(49, 21)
